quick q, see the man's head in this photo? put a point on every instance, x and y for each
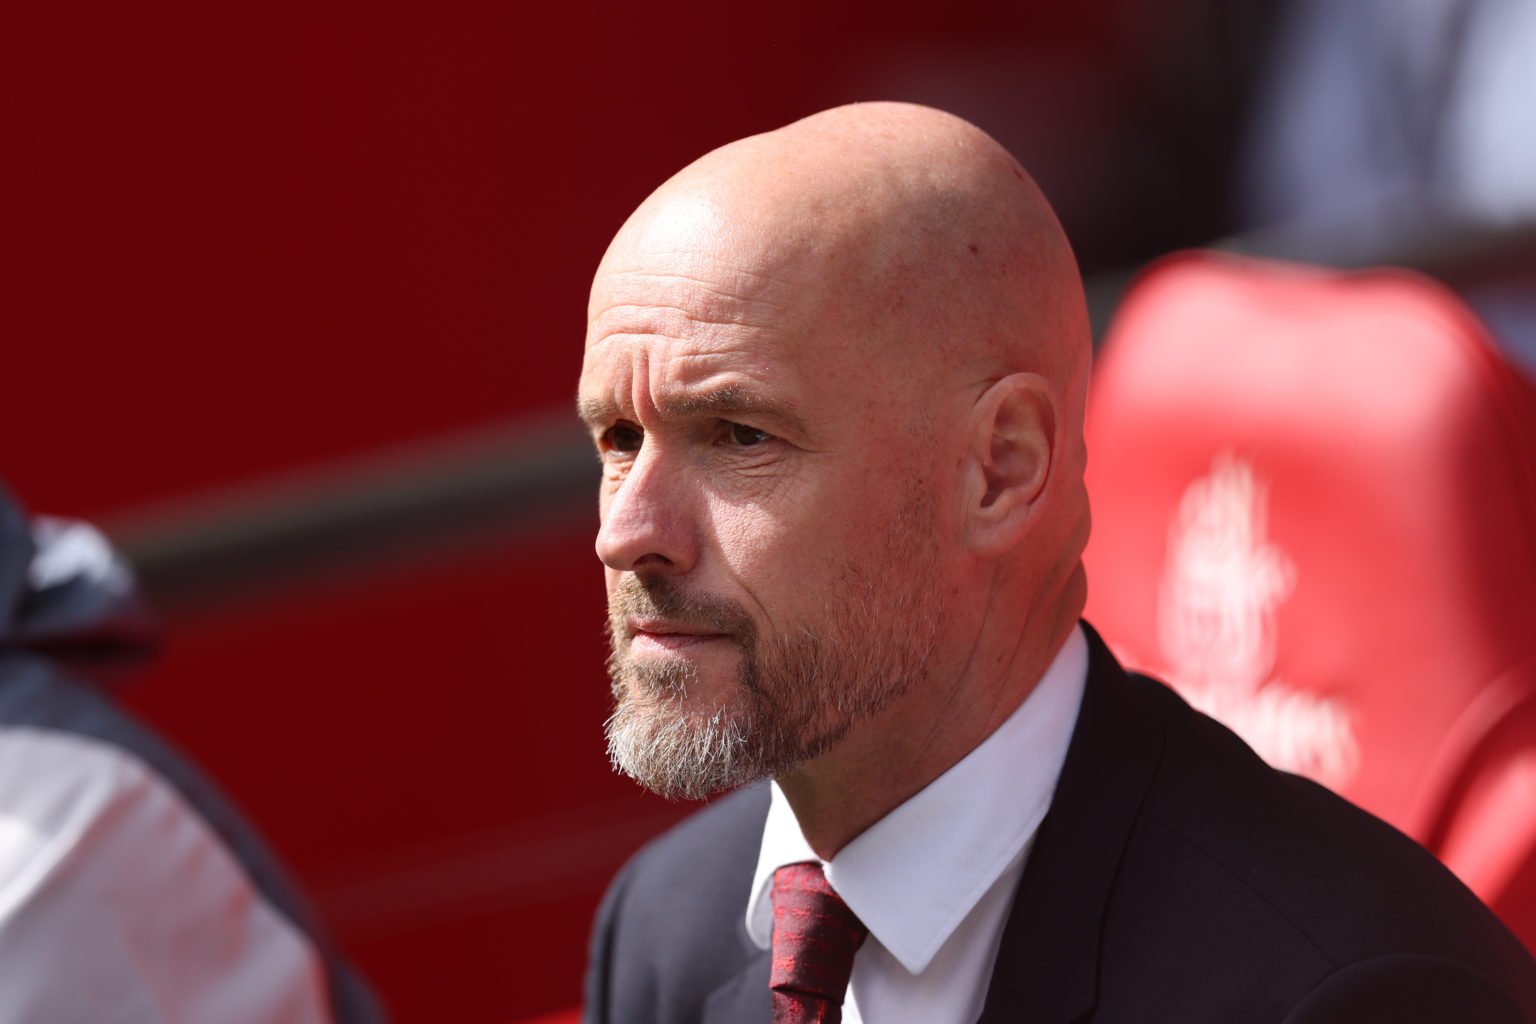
(835, 374)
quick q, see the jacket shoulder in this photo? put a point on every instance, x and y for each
(1259, 867)
(671, 928)
(1406, 990)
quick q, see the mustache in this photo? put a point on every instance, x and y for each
(664, 598)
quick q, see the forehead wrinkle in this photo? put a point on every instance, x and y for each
(755, 263)
(735, 298)
(664, 321)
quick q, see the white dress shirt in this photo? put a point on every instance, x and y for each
(934, 879)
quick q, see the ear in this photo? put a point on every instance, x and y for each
(1008, 461)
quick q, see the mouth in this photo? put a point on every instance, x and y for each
(659, 634)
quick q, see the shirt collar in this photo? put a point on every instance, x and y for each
(914, 875)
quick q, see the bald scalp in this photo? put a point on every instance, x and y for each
(888, 224)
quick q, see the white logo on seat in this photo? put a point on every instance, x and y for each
(1222, 584)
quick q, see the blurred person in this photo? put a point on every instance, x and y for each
(1388, 116)
(835, 375)
(1383, 128)
(130, 890)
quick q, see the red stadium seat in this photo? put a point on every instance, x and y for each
(1314, 500)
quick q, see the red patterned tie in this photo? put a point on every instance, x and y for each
(814, 938)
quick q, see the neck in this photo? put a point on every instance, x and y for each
(887, 759)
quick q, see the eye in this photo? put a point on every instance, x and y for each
(746, 437)
(622, 437)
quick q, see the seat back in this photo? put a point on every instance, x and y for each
(1314, 503)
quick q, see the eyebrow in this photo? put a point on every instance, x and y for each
(594, 411)
(725, 401)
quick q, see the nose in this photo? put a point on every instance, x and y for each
(646, 520)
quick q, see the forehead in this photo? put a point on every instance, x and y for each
(694, 259)
(691, 300)
(682, 352)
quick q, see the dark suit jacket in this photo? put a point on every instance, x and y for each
(1176, 878)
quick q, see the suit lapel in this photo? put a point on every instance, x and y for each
(744, 998)
(1047, 968)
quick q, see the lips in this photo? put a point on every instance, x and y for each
(668, 635)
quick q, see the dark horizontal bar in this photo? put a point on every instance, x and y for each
(459, 493)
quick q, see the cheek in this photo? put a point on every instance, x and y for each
(753, 538)
(787, 542)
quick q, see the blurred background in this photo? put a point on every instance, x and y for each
(296, 316)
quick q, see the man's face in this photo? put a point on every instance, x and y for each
(769, 525)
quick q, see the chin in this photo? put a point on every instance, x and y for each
(680, 751)
(688, 747)
(712, 681)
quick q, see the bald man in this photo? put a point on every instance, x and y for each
(836, 375)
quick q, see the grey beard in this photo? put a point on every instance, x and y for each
(676, 754)
(795, 697)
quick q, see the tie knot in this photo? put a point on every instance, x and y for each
(815, 936)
